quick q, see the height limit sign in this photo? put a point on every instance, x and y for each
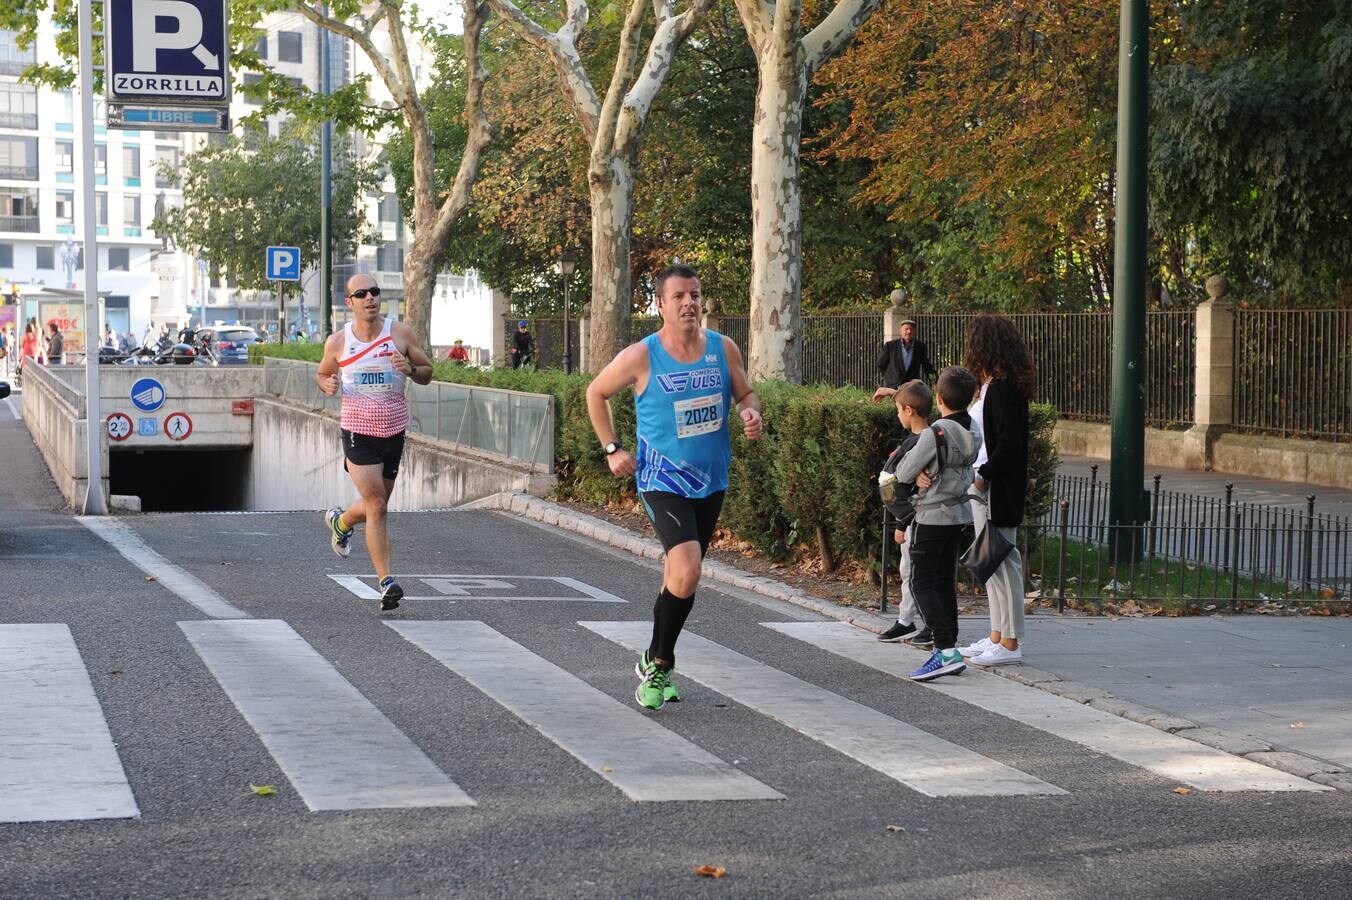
(168, 54)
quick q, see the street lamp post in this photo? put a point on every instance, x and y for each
(567, 264)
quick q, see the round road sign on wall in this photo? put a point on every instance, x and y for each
(147, 394)
(177, 426)
(119, 427)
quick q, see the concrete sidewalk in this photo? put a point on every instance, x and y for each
(1286, 681)
(1328, 500)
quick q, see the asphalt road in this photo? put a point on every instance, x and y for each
(545, 824)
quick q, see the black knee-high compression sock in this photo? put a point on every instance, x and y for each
(669, 615)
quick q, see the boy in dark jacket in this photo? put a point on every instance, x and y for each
(914, 400)
(941, 512)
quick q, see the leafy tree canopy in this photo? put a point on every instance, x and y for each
(243, 196)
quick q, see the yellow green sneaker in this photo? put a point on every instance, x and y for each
(670, 693)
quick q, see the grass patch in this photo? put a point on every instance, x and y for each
(1091, 578)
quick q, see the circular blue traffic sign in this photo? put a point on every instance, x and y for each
(147, 394)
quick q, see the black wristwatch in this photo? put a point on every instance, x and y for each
(611, 448)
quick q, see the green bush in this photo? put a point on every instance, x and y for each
(812, 478)
(308, 352)
(752, 509)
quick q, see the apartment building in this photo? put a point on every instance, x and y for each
(41, 207)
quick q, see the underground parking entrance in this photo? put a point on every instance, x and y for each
(182, 480)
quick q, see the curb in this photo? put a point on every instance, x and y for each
(1292, 762)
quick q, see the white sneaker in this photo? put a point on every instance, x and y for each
(976, 649)
(998, 655)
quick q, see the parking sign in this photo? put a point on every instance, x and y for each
(167, 51)
(283, 264)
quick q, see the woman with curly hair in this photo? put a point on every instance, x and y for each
(998, 356)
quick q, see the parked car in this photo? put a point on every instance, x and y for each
(231, 343)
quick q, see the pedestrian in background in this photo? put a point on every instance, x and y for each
(7, 348)
(914, 401)
(523, 345)
(56, 344)
(940, 465)
(997, 354)
(902, 360)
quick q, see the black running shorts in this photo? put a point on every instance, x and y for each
(364, 450)
(679, 519)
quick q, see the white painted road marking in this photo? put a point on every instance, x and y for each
(338, 750)
(916, 758)
(462, 587)
(613, 739)
(138, 552)
(57, 759)
(1175, 758)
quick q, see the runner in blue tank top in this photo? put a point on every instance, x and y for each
(686, 380)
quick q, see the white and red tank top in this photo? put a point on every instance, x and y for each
(372, 388)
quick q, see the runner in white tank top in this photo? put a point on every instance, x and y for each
(369, 362)
(373, 389)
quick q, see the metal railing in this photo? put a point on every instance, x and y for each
(511, 424)
(21, 224)
(1293, 372)
(1194, 549)
(1073, 353)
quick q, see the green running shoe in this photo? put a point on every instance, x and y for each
(670, 694)
(651, 691)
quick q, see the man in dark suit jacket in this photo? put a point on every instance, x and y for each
(903, 360)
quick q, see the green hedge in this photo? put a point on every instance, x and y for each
(809, 481)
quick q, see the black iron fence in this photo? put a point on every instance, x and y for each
(1293, 372)
(1194, 551)
(1074, 351)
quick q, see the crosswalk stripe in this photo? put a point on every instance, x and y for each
(338, 750)
(632, 752)
(186, 585)
(1177, 759)
(57, 759)
(920, 760)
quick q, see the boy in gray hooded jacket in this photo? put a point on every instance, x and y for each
(941, 466)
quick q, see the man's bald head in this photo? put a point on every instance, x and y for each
(360, 281)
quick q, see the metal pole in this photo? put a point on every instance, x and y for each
(325, 191)
(567, 336)
(882, 600)
(94, 503)
(1127, 466)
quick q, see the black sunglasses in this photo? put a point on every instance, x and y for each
(361, 293)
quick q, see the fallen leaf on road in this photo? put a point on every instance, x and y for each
(115, 672)
(151, 578)
(711, 871)
(896, 827)
(1297, 724)
(262, 790)
(1182, 790)
(607, 769)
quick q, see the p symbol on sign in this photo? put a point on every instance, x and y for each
(149, 40)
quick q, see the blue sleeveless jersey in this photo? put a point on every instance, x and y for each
(683, 444)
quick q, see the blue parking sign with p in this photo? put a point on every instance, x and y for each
(283, 264)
